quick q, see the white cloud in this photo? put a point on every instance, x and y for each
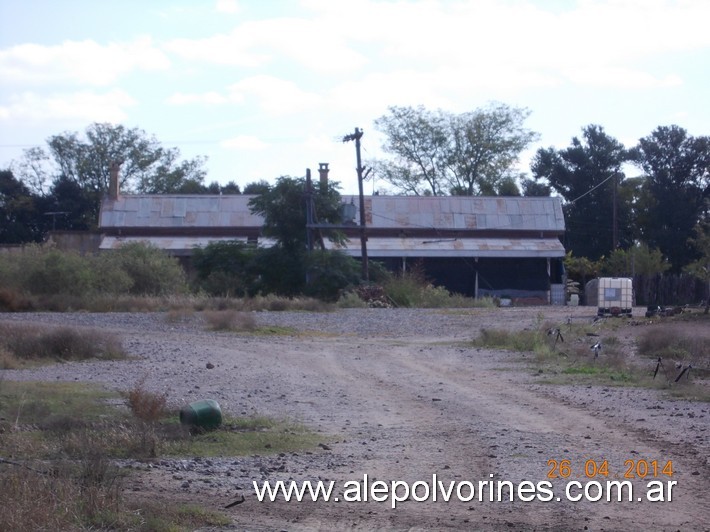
(79, 107)
(275, 96)
(227, 6)
(206, 98)
(309, 43)
(78, 62)
(620, 78)
(244, 142)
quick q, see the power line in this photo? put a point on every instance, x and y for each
(591, 190)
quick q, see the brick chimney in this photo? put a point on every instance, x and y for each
(323, 171)
(114, 190)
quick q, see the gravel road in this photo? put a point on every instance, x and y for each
(397, 394)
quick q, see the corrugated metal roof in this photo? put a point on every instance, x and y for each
(463, 212)
(456, 247)
(172, 211)
(386, 212)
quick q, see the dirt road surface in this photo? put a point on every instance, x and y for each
(398, 394)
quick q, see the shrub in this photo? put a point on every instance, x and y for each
(145, 405)
(152, 271)
(329, 273)
(229, 320)
(11, 300)
(57, 272)
(411, 289)
(63, 343)
(226, 268)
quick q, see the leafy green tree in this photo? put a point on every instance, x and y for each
(226, 268)
(147, 166)
(330, 272)
(417, 139)
(283, 207)
(580, 267)
(257, 187)
(464, 154)
(21, 217)
(533, 188)
(584, 174)
(700, 268)
(636, 260)
(484, 145)
(677, 171)
(68, 206)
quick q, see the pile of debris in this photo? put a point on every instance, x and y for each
(375, 296)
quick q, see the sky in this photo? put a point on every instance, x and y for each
(265, 88)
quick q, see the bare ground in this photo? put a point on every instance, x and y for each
(398, 395)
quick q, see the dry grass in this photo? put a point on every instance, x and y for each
(229, 320)
(146, 405)
(33, 342)
(63, 438)
(674, 343)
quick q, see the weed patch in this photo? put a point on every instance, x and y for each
(229, 320)
(60, 440)
(32, 342)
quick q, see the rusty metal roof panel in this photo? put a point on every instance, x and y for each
(457, 247)
(464, 212)
(393, 212)
(178, 211)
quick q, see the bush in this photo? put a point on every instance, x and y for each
(330, 272)
(226, 269)
(152, 271)
(52, 271)
(62, 343)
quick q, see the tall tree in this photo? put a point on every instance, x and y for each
(677, 170)
(440, 153)
(21, 218)
(147, 166)
(417, 138)
(700, 268)
(283, 207)
(584, 174)
(484, 145)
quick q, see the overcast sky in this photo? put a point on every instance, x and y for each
(269, 88)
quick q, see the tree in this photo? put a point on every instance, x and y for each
(484, 145)
(584, 174)
(637, 260)
(21, 219)
(464, 154)
(580, 267)
(418, 140)
(700, 268)
(677, 171)
(68, 205)
(226, 268)
(257, 187)
(283, 207)
(147, 166)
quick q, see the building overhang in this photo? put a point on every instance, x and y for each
(456, 247)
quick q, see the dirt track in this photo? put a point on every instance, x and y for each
(397, 396)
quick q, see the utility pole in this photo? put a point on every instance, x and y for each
(615, 226)
(308, 196)
(363, 237)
